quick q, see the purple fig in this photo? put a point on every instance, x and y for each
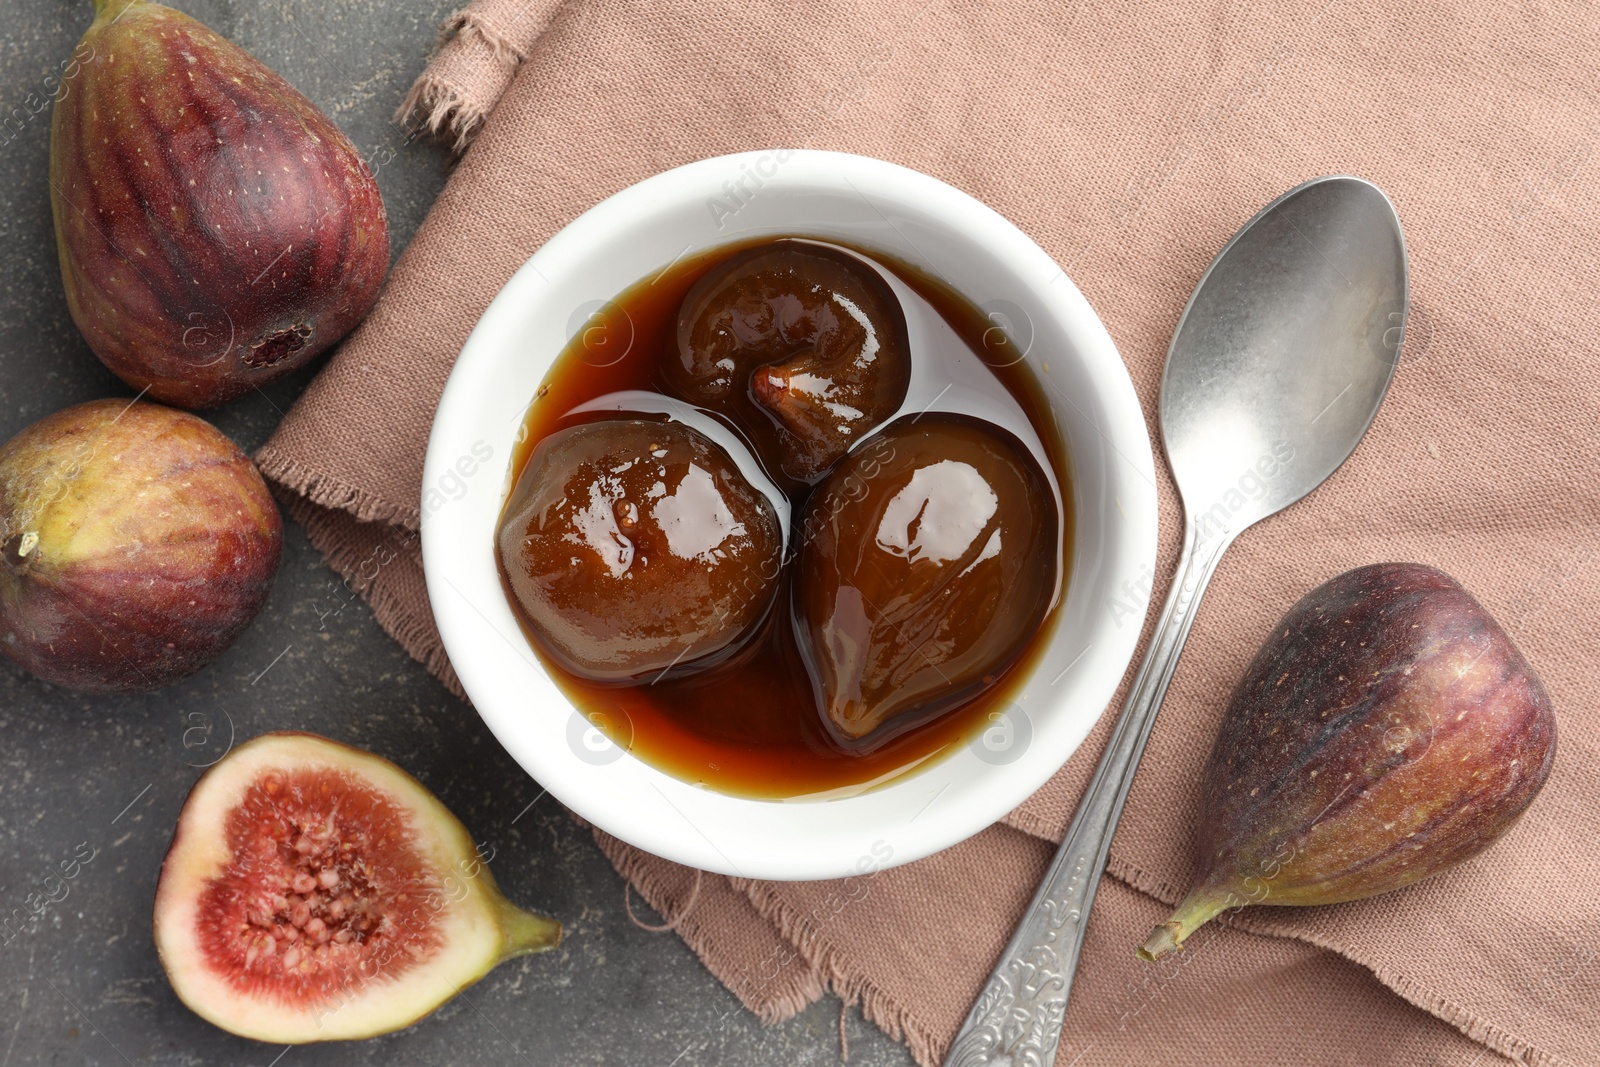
(1388, 729)
(215, 229)
(136, 542)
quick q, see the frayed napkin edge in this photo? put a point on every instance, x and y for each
(441, 106)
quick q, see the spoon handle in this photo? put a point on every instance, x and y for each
(1017, 1017)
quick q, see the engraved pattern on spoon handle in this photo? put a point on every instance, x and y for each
(1017, 1018)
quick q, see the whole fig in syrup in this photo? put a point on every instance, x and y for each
(215, 229)
(636, 547)
(1387, 729)
(928, 559)
(802, 345)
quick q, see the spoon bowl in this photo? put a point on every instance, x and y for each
(1284, 352)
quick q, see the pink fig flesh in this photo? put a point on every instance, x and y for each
(136, 542)
(1387, 730)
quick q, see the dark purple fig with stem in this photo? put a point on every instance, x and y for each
(215, 229)
(1388, 729)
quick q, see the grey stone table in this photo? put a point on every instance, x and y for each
(80, 983)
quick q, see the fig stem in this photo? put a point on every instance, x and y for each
(18, 548)
(525, 932)
(1198, 908)
(101, 6)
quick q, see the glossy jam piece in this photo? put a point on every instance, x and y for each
(636, 549)
(802, 345)
(928, 560)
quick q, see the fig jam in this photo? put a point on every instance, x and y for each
(750, 724)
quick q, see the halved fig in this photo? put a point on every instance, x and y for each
(316, 892)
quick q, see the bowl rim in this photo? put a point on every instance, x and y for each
(572, 781)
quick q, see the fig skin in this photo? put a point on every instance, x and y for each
(928, 560)
(804, 346)
(1387, 730)
(215, 230)
(637, 548)
(424, 917)
(136, 542)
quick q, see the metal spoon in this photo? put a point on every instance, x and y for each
(1275, 372)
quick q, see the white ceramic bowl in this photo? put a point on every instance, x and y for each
(868, 203)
